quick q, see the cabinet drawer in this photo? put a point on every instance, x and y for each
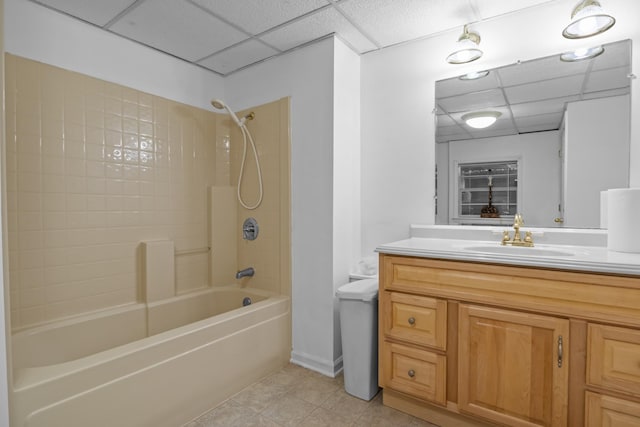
(415, 319)
(417, 372)
(606, 411)
(613, 358)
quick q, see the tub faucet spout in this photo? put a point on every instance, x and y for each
(247, 272)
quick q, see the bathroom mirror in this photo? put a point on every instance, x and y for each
(565, 124)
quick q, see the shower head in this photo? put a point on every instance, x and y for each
(220, 105)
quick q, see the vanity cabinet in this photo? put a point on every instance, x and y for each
(478, 344)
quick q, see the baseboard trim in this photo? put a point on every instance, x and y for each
(322, 366)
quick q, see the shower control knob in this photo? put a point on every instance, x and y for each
(250, 229)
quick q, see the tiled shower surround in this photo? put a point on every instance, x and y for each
(94, 168)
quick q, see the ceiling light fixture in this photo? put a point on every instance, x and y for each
(582, 54)
(481, 119)
(588, 19)
(474, 75)
(466, 48)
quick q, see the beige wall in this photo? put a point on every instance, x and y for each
(93, 169)
(270, 252)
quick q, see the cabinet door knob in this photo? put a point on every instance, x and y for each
(411, 373)
(412, 320)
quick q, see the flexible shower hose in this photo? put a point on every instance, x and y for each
(246, 132)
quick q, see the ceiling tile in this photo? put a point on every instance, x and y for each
(455, 86)
(615, 55)
(555, 105)
(238, 56)
(177, 27)
(491, 8)
(612, 78)
(256, 16)
(564, 86)
(540, 122)
(460, 136)
(607, 93)
(540, 69)
(473, 101)
(394, 21)
(444, 120)
(492, 133)
(314, 27)
(98, 12)
(449, 130)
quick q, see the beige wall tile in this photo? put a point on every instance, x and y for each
(32, 316)
(94, 168)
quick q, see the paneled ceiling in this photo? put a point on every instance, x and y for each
(225, 36)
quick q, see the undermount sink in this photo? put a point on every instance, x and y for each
(518, 250)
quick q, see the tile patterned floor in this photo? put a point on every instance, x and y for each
(296, 396)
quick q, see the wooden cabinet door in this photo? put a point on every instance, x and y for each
(606, 411)
(513, 366)
(613, 358)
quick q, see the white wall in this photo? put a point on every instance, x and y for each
(398, 99)
(397, 144)
(595, 160)
(306, 76)
(346, 173)
(38, 33)
(539, 170)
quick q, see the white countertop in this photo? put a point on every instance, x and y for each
(557, 256)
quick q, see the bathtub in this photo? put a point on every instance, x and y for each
(159, 364)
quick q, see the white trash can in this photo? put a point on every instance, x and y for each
(359, 327)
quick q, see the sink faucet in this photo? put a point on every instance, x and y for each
(517, 237)
(247, 272)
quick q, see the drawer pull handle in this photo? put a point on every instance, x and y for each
(411, 373)
(560, 351)
(412, 320)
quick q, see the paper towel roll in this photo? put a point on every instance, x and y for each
(623, 212)
(603, 209)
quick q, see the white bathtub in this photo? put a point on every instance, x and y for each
(160, 364)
